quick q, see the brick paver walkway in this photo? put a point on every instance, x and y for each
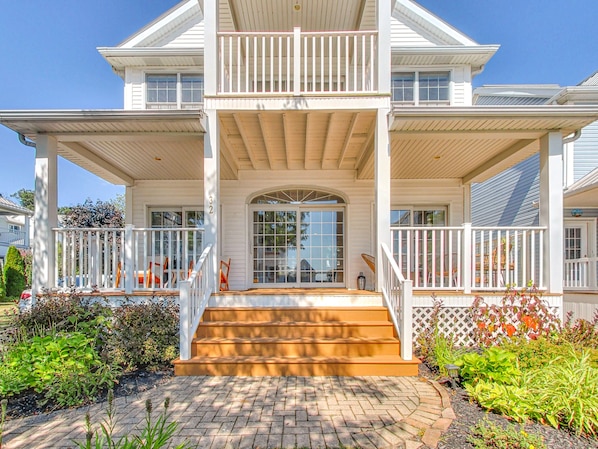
(267, 412)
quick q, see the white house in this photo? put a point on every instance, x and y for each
(518, 197)
(14, 226)
(293, 138)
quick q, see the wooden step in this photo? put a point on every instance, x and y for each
(294, 347)
(296, 366)
(295, 329)
(296, 314)
(296, 341)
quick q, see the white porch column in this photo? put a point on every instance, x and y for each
(210, 11)
(46, 214)
(382, 189)
(381, 144)
(551, 208)
(211, 184)
(467, 203)
(128, 205)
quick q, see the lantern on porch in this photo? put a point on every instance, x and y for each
(361, 281)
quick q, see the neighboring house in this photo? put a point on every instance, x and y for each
(512, 197)
(294, 142)
(15, 226)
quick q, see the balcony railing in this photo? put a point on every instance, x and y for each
(298, 62)
(470, 258)
(581, 274)
(125, 258)
(9, 237)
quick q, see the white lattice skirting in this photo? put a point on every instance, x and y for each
(455, 315)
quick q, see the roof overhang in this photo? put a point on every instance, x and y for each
(475, 55)
(474, 143)
(120, 58)
(120, 146)
(576, 95)
(7, 208)
(583, 193)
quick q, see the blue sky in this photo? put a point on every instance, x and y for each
(49, 61)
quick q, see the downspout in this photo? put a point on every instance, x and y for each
(576, 135)
(568, 178)
(26, 142)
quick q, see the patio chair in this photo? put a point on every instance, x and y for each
(224, 270)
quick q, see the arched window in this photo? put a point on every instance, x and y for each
(297, 196)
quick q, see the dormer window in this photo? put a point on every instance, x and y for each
(174, 91)
(421, 87)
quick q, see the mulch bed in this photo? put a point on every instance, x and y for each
(470, 413)
(31, 403)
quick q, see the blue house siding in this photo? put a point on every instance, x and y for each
(509, 198)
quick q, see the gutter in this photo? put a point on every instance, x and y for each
(26, 142)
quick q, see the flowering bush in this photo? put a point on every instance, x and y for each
(521, 313)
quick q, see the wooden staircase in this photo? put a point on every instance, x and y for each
(296, 341)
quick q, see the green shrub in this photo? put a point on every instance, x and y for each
(14, 273)
(66, 368)
(65, 312)
(486, 435)
(445, 352)
(582, 334)
(533, 353)
(145, 335)
(493, 365)
(560, 391)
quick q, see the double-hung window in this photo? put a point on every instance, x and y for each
(421, 87)
(173, 91)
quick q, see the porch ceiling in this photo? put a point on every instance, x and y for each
(472, 143)
(121, 146)
(312, 15)
(312, 140)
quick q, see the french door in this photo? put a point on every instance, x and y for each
(297, 246)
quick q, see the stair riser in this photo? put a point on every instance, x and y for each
(315, 315)
(277, 349)
(290, 369)
(295, 331)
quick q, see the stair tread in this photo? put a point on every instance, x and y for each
(296, 340)
(299, 359)
(295, 323)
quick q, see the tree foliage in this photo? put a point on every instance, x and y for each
(2, 286)
(26, 198)
(101, 214)
(14, 272)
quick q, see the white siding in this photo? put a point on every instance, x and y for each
(191, 35)
(235, 212)
(461, 86)
(402, 34)
(585, 155)
(581, 305)
(164, 193)
(134, 89)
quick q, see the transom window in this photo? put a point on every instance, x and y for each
(298, 196)
(420, 87)
(173, 91)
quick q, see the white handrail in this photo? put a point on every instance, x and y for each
(195, 293)
(397, 294)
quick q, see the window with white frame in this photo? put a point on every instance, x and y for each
(173, 91)
(420, 87)
(14, 228)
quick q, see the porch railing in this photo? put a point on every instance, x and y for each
(397, 294)
(195, 293)
(125, 258)
(470, 258)
(581, 274)
(297, 62)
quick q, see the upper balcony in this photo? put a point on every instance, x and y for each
(297, 63)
